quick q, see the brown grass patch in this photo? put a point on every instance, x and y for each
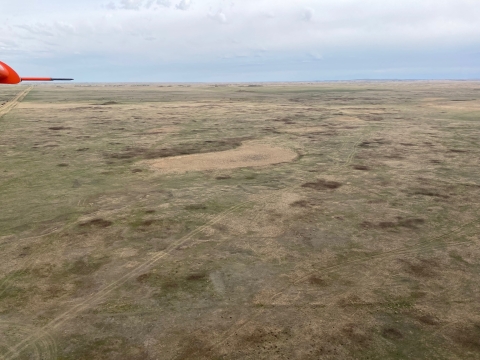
(429, 192)
(421, 268)
(300, 203)
(322, 185)
(196, 276)
(98, 222)
(178, 150)
(392, 333)
(428, 319)
(410, 223)
(468, 337)
(361, 167)
(249, 154)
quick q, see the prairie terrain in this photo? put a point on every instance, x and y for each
(276, 221)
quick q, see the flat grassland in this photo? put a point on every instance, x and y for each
(275, 221)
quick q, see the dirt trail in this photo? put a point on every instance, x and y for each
(41, 333)
(5, 109)
(240, 156)
(429, 243)
(248, 154)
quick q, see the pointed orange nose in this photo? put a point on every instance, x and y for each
(3, 72)
(8, 75)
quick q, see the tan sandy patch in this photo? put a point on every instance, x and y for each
(166, 129)
(249, 154)
(305, 130)
(347, 118)
(457, 105)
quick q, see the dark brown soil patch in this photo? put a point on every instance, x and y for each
(316, 280)
(356, 335)
(458, 151)
(300, 203)
(83, 149)
(411, 223)
(149, 222)
(386, 224)
(429, 192)
(109, 103)
(421, 268)
(392, 333)
(98, 222)
(361, 167)
(56, 128)
(182, 149)
(63, 165)
(428, 319)
(151, 211)
(196, 276)
(194, 348)
(151, 278)
(137, 171)
(468, 337)
(196, 207)
(223, 177)
(85, 266)
(367, 225)
(322, 185)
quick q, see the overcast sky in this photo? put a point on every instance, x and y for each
(242, 40)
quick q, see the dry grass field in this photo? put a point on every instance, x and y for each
(280, 221)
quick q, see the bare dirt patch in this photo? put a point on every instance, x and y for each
(322, 185)
(181, 149)
(249, 154)
(98, 222)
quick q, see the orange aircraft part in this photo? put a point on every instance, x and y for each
(8, 75)
(36, 79)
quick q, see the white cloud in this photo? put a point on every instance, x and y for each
(278, 30)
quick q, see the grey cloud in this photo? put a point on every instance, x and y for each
(37, 29)
(65, 27)
(165, 3)
(131, 4)
(308, 14)
(183, 5)
(219, 16)
(302, 30)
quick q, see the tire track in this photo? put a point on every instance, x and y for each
(30, 261)
(105, 291)
(39, 334)
(331, 269)
(46, 348)
(7, 107)
(385, 255)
